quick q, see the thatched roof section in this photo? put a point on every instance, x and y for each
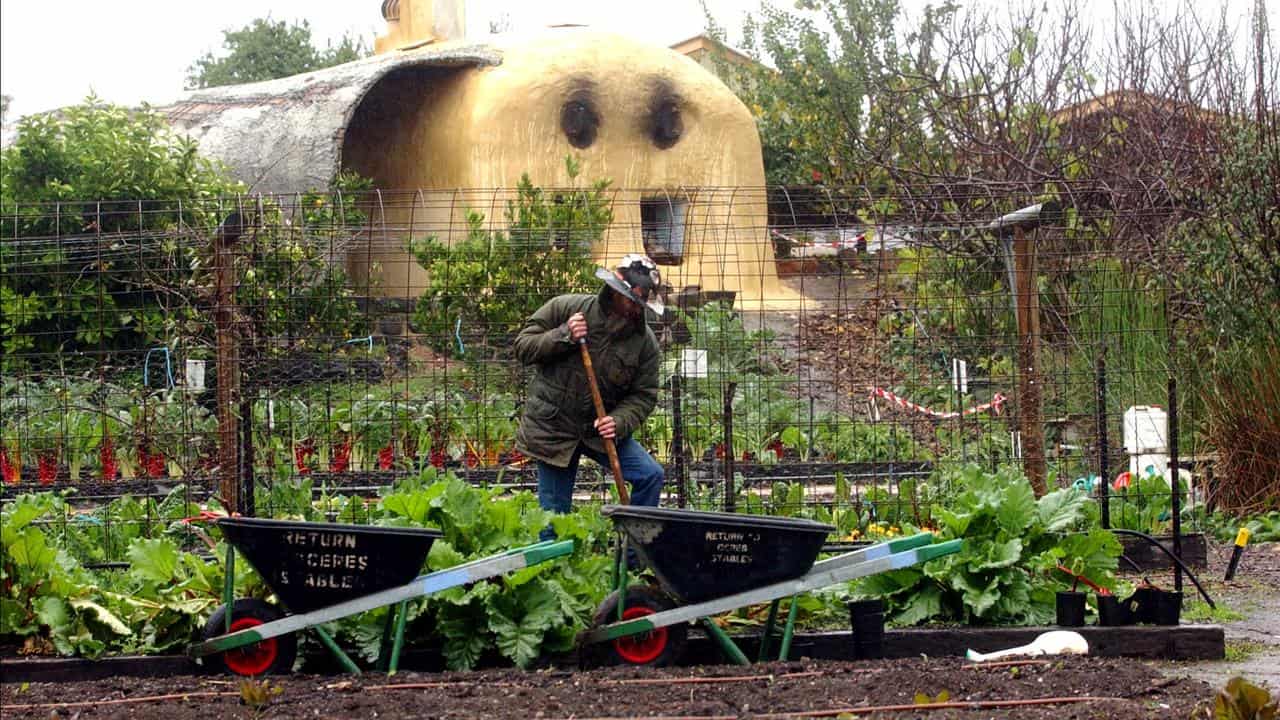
(286, 135)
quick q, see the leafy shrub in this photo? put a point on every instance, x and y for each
(1012, 543)
(491, 281)
(1145, 505)
(116, 172)
(291, 279)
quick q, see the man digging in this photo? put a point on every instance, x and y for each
(559, 425)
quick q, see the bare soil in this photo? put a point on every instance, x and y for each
(1117, 690)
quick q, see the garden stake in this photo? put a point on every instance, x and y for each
(1242, 539)
(609, 449)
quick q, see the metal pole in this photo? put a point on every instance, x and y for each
(246, 455)
(730, 501)
(677, 442)
(1174, 491)
(1103, 472)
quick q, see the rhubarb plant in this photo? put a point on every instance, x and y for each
(522, 615)
(1012, 543)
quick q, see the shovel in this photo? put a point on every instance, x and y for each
(609, 449)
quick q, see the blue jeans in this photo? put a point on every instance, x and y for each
(555, 484)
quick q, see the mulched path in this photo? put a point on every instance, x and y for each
(1125, 689)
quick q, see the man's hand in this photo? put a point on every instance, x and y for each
(577, 327)
(606, 427)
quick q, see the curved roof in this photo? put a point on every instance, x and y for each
(286, 135)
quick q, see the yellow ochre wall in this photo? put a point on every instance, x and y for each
(481, 128)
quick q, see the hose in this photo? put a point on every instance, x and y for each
(1175, 558)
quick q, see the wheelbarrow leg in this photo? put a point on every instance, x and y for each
(789, 631)
(402, 610)
(343, 659)
(620, 574)
(725, 642)
(384, 647)
(768, 631)
(229, 585)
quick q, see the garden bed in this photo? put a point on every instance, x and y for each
(1116, 689)
(1147, 557)
(1188, 642)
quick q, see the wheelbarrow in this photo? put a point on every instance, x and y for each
(708, 563)
(323, 572)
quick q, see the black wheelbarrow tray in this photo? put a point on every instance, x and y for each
(708, 563)
(323, 572)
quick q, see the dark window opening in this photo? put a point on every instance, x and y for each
(579, 121)
(662, 225)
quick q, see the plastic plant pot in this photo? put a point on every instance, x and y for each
(1112, 612)
(1071, 607)
(1168, 608)
(867, 620)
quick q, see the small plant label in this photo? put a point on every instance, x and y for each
(693, 363)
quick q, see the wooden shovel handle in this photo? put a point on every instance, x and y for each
(609, 449)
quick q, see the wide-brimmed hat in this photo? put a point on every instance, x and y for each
(636, 271)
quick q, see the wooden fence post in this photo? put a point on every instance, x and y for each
(228, 359)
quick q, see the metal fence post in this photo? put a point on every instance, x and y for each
(1104, 487)
(677, 442)
(1175, 494)
(730, 496)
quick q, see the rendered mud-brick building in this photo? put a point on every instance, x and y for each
(431, 112)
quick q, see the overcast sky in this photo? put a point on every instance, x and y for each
(127, 51)
(52, 54)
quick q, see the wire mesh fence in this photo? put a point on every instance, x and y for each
(826, 351)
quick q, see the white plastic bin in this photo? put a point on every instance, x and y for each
(1146, 438)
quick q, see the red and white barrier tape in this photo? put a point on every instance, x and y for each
(996, 403)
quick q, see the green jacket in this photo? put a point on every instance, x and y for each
(558, 412)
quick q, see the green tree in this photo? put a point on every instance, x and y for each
(265, 50)
(71, 183)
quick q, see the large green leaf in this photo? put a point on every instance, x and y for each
(519, 620)
(464, 645)
(54, 613)
(15, 619)
(992, 554)
(443, 555)
(924, 604)
(1016, 508)
(1061, 509)
(24, 510)
(412, 506)
(31, 554)
(980, 591)
(103, 615)
(153, 560)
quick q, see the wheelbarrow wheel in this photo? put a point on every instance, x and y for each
(659, 647)
(271, 656)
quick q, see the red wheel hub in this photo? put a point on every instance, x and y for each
(252, 659)
(641, 648)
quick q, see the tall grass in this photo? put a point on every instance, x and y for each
(1243, 423)
(1118, 313)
